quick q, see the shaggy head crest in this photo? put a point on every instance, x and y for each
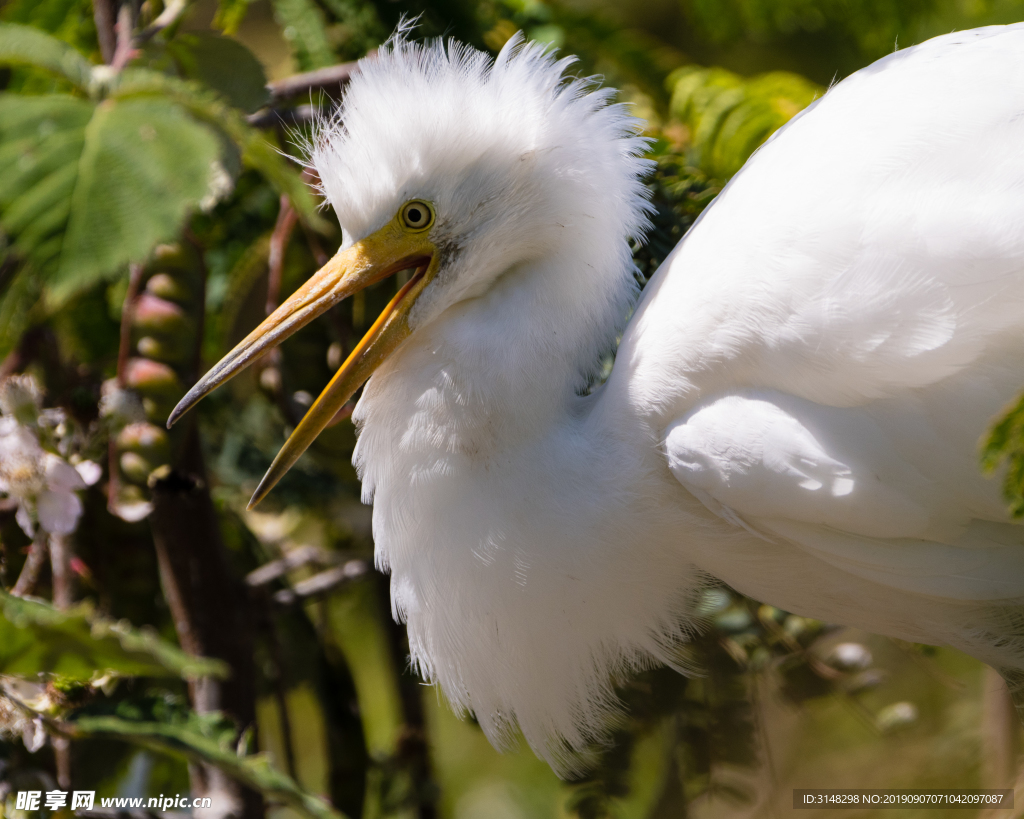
(512, 153)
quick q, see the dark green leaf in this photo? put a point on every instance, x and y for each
(41, 141)
(207, 738)
(23, 45)
(16, 308)
(36, 638)
(145, 163)
(223, 64)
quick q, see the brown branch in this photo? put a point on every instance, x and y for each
(103, 14)
(60, 566)
(322, 79)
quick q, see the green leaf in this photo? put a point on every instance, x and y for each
(257, 152)
(145, 163)
(41, 141)
(306, 32)
(23, 45)
(208, 738)
(37, 638)
(16, 308)
(223, 64)
(86, 188)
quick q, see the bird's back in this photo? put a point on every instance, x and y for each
(823, 351)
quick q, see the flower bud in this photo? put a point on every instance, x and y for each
(146, 440)
(156, 316)
(134, 467)
(152, 379)
(21, 398)
(172, 350)
(168, 287)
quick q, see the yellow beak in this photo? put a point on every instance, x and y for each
(386, 252)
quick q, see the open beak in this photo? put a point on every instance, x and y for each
(383, 254)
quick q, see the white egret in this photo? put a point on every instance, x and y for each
(794, 409)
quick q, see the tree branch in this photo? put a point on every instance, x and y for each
(322, 79)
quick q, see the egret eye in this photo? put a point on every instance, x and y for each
(417, 215)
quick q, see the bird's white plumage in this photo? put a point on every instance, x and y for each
(795, 407)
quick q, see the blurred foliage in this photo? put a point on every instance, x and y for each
(1005, 445)
(36, 638)
(150, 213)
(728, 117)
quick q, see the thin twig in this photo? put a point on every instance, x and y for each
(33, 566)
(322, 583)
(103, 14)
(286, 219)
(124, 51)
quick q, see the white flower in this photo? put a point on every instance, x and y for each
(90, 471)
(40, 481)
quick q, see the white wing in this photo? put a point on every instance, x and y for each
(825, 348)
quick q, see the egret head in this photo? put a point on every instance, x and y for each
(444, 163)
